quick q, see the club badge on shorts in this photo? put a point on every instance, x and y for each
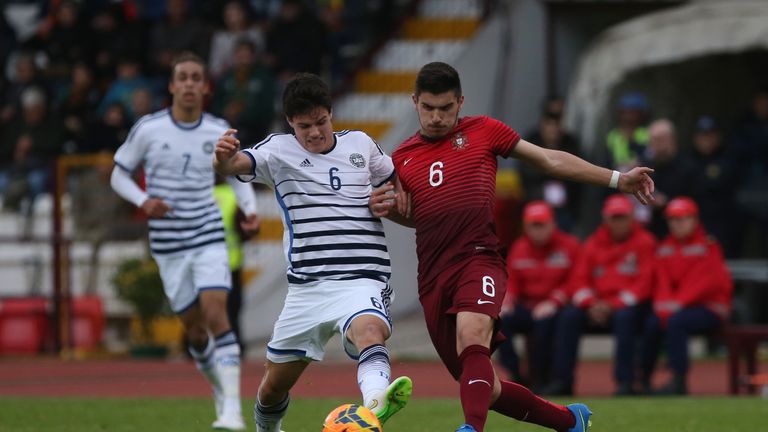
(459, 141)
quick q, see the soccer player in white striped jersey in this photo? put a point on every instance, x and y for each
(338, 263)
(186, 232)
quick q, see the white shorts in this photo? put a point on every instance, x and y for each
(184, 275)
(313, 314)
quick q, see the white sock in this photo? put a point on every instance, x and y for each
(227, 359)
(270, 418)
(206, 364)
(373, 376)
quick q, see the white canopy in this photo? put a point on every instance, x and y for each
(672, 35)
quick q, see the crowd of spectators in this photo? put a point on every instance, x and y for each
(725, 171)
(76, 74)
(649, 276)
(647, 293)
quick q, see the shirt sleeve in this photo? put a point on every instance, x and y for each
(260, 156)
(126, 187)
(381, 165)
(246, 197)
(501, 137)
(131, 153)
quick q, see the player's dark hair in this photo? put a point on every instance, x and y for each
(437, 78)
(304, 93)
(187, 56)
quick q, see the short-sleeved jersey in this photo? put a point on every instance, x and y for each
(177, 161)
(330, 234)
(452, 181)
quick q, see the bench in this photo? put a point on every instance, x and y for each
(743, 341)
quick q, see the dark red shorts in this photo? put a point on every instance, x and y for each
(477, 284)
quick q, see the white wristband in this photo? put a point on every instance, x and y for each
(614, 183)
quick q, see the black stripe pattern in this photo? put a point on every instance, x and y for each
(331, 233)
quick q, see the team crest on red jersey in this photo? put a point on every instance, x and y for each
(459, 141)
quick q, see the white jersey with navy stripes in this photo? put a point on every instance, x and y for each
(330, 234)
(177, 160)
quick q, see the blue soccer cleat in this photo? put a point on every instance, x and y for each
(582, 414)
(465, 428)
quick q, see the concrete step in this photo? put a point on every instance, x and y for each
(451, 8)
(372, 81)
(404, 55)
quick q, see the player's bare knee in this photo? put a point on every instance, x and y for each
(367, 333)
(472, 335)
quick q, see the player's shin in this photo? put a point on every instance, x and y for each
(373, 373)
(227, 357)
(518, 402)
(269, 418)
(205, 362)
(476, 384)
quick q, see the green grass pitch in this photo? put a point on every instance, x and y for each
(306, 415)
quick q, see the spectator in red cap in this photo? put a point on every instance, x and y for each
(610, 291)
(692, 296)
(539, 266)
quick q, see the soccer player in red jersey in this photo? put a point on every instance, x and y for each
(445, 188)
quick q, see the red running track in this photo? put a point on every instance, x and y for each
(179, 378)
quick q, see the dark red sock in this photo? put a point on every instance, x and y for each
(476, 384)
(520, 403)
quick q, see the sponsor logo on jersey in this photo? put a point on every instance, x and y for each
(459, 141)
(306, 164)
(357, 160)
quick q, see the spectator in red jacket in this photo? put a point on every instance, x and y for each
(611, 288)
(539, 266)
(692, 296)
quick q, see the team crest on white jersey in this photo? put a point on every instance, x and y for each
(357, 160)
(208, 147)
(459, 141)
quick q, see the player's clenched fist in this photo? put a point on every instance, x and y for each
(227, 146)
(229, 160)
(382, 200)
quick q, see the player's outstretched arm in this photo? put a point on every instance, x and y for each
(564, 165)
(229, 160)
(395, 206)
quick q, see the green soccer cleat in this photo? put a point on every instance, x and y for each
(398, 394)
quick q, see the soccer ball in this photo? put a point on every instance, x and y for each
(351, 418)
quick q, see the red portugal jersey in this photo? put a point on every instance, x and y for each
(452, 181)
